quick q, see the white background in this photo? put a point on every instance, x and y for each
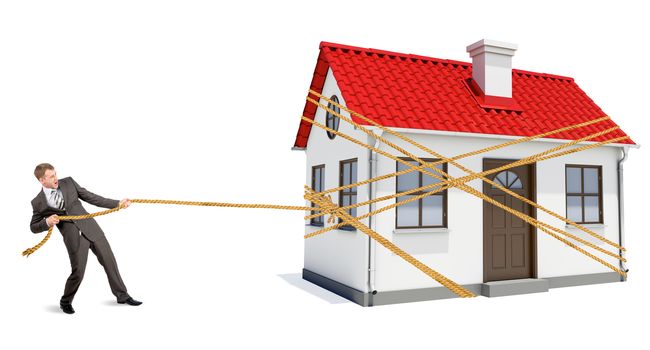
(200, 100)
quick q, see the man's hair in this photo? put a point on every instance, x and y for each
(39, 172)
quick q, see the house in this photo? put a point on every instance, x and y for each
(455, 107)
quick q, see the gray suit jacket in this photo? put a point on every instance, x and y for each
(72, 193)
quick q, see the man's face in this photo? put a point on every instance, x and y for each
(49, 180)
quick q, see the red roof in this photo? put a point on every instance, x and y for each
(417, 92)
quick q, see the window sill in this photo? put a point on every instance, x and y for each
(315, 224)
(340, 228)
(586, 225)
(421, 230)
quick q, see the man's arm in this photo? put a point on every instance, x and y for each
(39, 221)
(94, 199)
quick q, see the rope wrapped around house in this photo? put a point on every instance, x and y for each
(446, 178)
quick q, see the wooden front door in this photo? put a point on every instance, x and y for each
(508, 244)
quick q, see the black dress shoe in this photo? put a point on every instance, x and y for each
(67, 308)
(130, 301)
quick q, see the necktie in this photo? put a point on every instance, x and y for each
(58, 199)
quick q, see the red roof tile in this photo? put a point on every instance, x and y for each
(410, 91)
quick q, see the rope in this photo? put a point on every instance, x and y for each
(31, 250)
(220, 204)
(408, 140)
(326, 203)
(468, 189)
(391, 206)
(523, 161)
(322, 200)
(460, 156)
(482, 177)
(472, 191)
(458, 181)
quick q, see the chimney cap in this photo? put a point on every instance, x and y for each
(494, 46)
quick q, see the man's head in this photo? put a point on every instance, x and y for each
(46, 175)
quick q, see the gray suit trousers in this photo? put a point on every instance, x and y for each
(78, 259)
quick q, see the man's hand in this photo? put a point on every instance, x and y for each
(52, 220)
(124, 203)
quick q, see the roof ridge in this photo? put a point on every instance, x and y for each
(437, 60)
(542, 75)
(392, 53)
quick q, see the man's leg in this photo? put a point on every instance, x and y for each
(105, 256)
(78, 253)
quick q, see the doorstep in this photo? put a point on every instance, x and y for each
(514, 287)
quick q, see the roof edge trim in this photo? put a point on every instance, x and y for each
(493, 136)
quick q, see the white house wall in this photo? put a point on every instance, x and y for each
(458, 252)
(555, 259)
(339, 255)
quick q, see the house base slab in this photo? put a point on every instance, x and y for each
(489, 289)
(383, 298)
(581, 280)
(340, 289)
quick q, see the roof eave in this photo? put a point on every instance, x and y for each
(492, 136)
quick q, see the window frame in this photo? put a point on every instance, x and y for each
(349, 192)
(329, 116)
(582, 193)
(317, 221)
(420, 181)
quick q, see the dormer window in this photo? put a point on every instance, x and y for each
(331, 120)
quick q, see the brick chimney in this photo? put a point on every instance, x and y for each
(492, 67)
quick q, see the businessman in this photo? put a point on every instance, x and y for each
(60, 198)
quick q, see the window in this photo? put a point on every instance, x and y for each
(430, 211)
(317, 184)
(331, 120)
(584, 199)
(508, 179)
(348, 175)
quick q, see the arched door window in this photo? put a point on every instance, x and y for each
(508, 179)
